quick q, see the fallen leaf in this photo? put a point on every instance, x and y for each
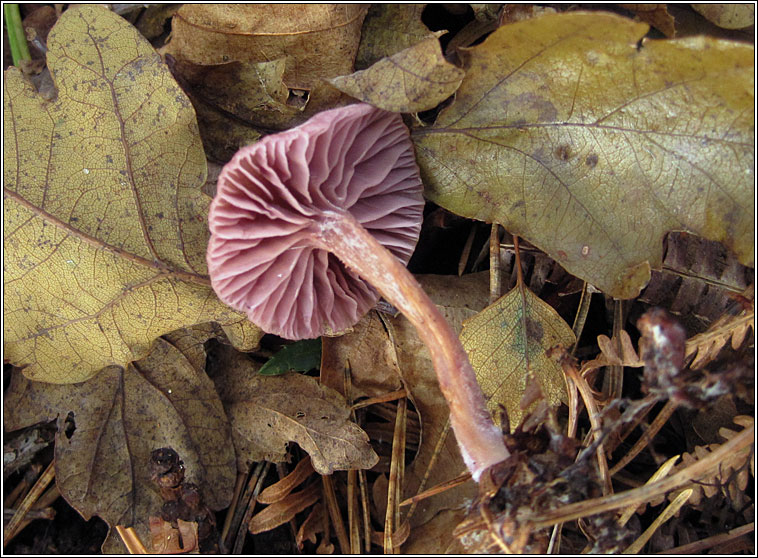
(728, 16)
(415, 79)
(285, 509)
(284, 486)
(301, 356)
(370, 355)
(656, 15)
(268, 412)
(388, 29)
(592, 149)
(253, 68)
(236, 102)
(436, 535)
(102, 468)
(506, 343)
(105, 228)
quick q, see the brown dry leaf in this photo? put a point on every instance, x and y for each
(105, 228)
(281, 489)
(415, 79)
(255, 67)
(371, 355)
(567, 134)
(282, 511)
(728, 16)
(656, 15)
(312, 526)
(388, 29)
(268, 412)
(102, 468)
(436, 535)
(507, 342)
(628, 356)
(236, 101)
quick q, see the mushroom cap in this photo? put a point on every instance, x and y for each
(264, 256)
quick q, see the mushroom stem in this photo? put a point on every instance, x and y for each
(480, 441)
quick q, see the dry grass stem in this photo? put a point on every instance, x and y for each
(666, 514)
(131, 540)
(647, 436)
(15, 524)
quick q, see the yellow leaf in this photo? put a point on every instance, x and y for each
(569, 135)
(415, 79)
(506, 343)
(105, 230)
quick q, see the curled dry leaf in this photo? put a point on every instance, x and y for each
(507, 344)
(596, 162)
(285, 486)
(120, 417)
(282, 511)
(268, 412)
(254, 67)
(105, 231)
(415, 79)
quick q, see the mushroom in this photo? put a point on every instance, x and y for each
(309, 223)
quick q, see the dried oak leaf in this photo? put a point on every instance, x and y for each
(415, 79)
(570, 136)
(105, 228)
(120, 417)
(268, 412)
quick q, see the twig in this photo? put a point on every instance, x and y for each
(392, 516)
(442, 487)
(495, 264)
(647, 436)
(335, 514)
(384, 398)
(597, 428)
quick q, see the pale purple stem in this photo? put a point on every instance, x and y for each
(480, 441)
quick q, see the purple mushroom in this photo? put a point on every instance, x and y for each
(309, 223)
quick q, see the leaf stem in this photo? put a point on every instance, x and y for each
(16, 35)
(480, 441)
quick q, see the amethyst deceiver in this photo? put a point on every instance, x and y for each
(264, 255)
(308, 222)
